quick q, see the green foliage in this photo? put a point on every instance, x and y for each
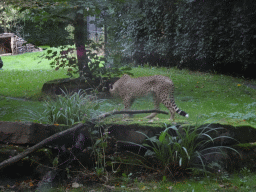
(69, 109)
(209, 35)
(63, 58)
(185, 150)
(212, 35)
(168, 150)
(98, 149)
(55, 162)
(144, 29)
(250, 117)
(49, 32)
(9, 18)
(245, 171)
(65, 109)
(127, 178)
(66, 58)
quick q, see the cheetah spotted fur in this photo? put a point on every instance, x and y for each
(162, 88)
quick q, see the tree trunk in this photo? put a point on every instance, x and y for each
(105, 34)
(80, 37)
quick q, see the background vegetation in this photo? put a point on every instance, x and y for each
(199, 35)
(212, 36)
(204, 96)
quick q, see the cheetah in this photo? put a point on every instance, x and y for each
(162, 88)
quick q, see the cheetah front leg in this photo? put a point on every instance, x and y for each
(127, 104)
(156, 104)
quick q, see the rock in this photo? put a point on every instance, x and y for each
(69, 85)
(25, 133)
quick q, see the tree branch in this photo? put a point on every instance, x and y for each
(128, 112)
(68, 131)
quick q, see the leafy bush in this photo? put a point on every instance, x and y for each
(66, 57)
(200, 35)
(189, 150)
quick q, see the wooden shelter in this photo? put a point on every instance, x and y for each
(11, 44)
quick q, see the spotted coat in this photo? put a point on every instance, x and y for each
(162, 88)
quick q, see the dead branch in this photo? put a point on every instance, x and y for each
(39, 145)
(68, 131)
(102, 116)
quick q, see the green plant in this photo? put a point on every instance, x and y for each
(222, 176)
(197, 142)
(69, 109)
(99, 171)
(243, 182)
(188, 150)
(126, 178)
(167, 149)
(245, 171)
(55, 162)
(34, 116)
(98, 149)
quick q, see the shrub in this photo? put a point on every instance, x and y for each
(189, 150)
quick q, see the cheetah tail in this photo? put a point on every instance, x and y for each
(183, 113)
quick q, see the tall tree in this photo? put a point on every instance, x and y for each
(72, 11)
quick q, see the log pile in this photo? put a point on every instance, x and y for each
(11, 44)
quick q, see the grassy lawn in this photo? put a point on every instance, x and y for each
(22, 76)
(206, 97)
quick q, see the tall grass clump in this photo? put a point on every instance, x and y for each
(190, 150)
(67, 109)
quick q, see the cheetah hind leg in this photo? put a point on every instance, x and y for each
(126, 117)
(156, 104)
(172, 116)
(151, 116)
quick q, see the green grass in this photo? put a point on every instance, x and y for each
(15, 110)
(22, 76)
(235, 182)
(206, 97)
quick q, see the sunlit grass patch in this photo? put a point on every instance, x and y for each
(26, 83)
